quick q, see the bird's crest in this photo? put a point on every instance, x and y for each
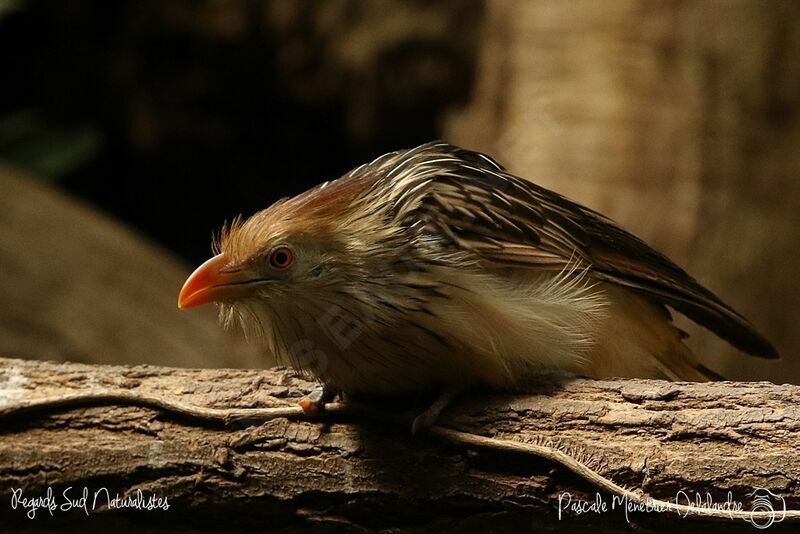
(319, 210)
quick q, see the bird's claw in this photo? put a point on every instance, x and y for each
(314, 403)
(426, 419)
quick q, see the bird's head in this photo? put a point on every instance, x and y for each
(290, 251)
(253, 262)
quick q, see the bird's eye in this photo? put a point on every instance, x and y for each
(281, 257)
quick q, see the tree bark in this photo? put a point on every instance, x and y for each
(353, 471)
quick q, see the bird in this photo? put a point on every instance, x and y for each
(434, 268)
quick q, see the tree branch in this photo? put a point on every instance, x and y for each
(218, 443)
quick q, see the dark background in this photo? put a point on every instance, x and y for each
(175, 116)
(130, 131)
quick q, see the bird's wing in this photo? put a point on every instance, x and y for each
(472, 203)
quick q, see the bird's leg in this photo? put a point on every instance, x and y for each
(427, 418)
(314, 402)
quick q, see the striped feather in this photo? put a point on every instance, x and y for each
(466, 201)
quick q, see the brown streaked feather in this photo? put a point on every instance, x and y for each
(467, 201)
(319, 210)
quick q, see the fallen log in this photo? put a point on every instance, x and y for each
(222, 448)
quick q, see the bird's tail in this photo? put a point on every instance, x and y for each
(639, 340)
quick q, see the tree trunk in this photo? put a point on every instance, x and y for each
(680, 120)
(77, 285)
(205, 442)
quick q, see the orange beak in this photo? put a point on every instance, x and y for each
(213, 281)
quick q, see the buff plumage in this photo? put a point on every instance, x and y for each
(435, 267)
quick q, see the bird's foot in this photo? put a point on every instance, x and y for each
(314, 403)
(426, 419)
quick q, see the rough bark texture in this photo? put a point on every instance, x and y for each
(680, 120)
(346, 472)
